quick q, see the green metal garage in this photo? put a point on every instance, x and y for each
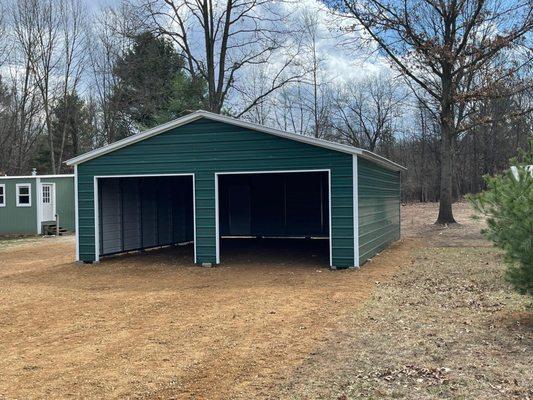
(206, 176)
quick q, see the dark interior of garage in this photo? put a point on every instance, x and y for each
(274, 205)
(138, 213)
(144, 212)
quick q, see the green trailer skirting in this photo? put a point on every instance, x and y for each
(205, 145)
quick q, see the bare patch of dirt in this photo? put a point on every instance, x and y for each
(154, 326)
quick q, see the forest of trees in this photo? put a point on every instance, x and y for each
(450, 96)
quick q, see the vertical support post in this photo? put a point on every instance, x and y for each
(330, 208)
(140, 182)
(195, 244)
(205, 217)
(96, 221)
(355, 184)
(121, 202)
(76, 213)
(217, 221)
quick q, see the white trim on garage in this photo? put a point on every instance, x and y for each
(290, 171)
(355, 186)
(236, 122)
(96, 208)
(76, 213)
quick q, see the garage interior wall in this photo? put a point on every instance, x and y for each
(143, 212)
(274, 205)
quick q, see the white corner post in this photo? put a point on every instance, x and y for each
(217, 223)
(355, 184)
(76, 215)
(96, 221)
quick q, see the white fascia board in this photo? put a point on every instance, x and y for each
(134, 139)
(36, 176)
(236, 122)
(384, 162)
(355, 203)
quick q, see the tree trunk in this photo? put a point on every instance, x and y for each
(445, 201)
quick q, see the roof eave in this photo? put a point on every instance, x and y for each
(36, 176)
(244, 124)
(384, 162)
(133, 139)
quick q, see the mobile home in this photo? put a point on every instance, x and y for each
(34, 204)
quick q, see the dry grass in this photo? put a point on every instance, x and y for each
(425, 319)
(448, 326)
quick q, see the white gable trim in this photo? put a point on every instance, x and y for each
(236, 122)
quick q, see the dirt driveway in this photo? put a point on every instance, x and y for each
(155, 326)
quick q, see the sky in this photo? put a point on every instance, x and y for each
(341, 59)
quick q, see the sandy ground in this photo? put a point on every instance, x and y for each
(154, 326)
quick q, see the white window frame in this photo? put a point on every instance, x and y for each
(21, 185)
(43, 185)
(3, 202)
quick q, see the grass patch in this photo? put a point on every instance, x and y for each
(7, 241)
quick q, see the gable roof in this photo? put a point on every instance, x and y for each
(237, 122)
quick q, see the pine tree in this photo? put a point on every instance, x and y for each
(508, 206)
(153, 86)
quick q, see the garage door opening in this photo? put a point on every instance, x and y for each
(277, 210)
(137, 213)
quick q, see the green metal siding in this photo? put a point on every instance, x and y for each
(18, 220)
(204, 147)
(379, 208)
(64, 201)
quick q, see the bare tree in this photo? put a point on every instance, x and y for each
(318, 100)
(440, 46)
(4, 45)
(107, 42)
(368, 111)
(220, 39)
(43, 20)
(27, 105)
(73, 56)
(290, 112)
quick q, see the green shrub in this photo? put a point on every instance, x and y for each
(507, 205)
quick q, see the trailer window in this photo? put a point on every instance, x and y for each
(24, 195)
